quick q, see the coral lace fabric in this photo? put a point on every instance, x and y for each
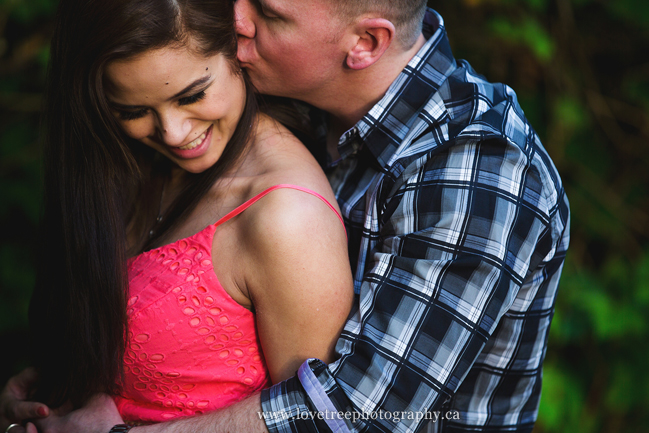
(191, 347)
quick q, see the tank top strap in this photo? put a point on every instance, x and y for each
(264, 193)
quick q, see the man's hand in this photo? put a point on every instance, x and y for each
(14, 407)
(99, 415)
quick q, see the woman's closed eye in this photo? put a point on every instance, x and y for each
(136, 114)
(132, 115)
(187, 100)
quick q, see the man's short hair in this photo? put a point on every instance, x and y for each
(406, 15)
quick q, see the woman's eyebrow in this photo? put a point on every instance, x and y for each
(192, 86)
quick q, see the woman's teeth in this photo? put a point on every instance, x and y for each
(194, 143)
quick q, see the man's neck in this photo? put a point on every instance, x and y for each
(334, 131)
(360, 90)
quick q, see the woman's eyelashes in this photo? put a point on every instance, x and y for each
(187, 100)
(132, 115)
(192, 99)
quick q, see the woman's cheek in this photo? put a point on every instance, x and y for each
(137, 129)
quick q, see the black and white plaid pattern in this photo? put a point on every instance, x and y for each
(458, 228)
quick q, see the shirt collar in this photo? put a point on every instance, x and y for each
(375, 130)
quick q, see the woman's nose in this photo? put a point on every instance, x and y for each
(174, 129)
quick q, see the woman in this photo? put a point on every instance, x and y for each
(174, 211)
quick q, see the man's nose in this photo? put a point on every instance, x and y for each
(244, 14)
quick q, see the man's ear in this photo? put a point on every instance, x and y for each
(374, 37)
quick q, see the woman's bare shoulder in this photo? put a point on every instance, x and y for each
(290, 218)
(285, 160)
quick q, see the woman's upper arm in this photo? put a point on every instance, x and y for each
(300, 280)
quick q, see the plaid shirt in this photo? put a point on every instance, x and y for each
(458, 230)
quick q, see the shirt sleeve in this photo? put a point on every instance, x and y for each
(459, 232)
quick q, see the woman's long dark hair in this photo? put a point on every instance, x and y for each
(97, 180)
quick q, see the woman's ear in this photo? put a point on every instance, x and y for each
(373, 37)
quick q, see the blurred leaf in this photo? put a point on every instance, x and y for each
(637, 89)
(571, 113)
(26, 11)
(620, 396)
(642, 289)
(537, 5)
(527, 32)
(634, 11)
(561, 402)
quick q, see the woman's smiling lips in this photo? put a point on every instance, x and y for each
(195, 148)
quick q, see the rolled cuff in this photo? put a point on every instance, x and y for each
(302, 403)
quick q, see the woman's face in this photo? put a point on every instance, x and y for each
(180, 103)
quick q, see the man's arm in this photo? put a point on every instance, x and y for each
(435, 290)
(101, 414)
(244, 416)
(463, 234)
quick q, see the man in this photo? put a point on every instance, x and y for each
(457, 223)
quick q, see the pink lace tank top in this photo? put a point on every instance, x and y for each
(191, 347)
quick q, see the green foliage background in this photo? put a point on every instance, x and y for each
(581, 70)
